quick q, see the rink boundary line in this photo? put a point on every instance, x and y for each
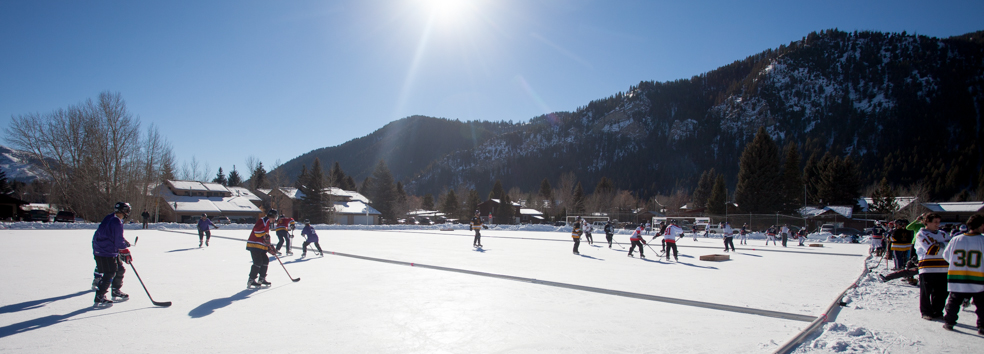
(603, 240)
(671, 300)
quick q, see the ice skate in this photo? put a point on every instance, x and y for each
(119, 295)
(264, 282)
(101, 300)
(252, 284)
(95, 283)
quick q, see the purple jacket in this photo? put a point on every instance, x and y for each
(204, 223)
(312, 236)
(108, 239)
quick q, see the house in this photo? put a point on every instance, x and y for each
(186, 201)
(9, 207)
(955, 212)
(488, 209)
(350, 208)
(530, 216)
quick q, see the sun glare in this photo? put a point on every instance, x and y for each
(447, 12)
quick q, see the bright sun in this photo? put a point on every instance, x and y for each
(448, 12)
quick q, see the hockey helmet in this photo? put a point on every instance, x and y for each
(122, 207)
(307, 221)
(204, 215)
(272, 213)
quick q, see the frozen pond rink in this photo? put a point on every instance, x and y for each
(347, 304)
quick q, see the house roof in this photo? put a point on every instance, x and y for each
(902, 202)
(243, 192)
(355, 207)
(528, 211)
(955, 207)
(215, 205)
(294, 193)
(846, 211)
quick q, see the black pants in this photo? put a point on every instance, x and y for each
(206, 234)
(145, 224)
(900, 258)
(577, 242)
(609, 238)
(729, 241)
(634, 244)
(953, 307)
(478, 238)
(112, 273)
(261, 261)
(932, 294)
(671, 246)
(282, 237)
(304, 248)
(784, 238)
(588, 235)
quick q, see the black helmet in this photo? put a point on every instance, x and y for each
(122, 207)
(272, 213)
(307, 221)
(204, 215)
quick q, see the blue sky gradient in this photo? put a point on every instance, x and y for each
(224, 80)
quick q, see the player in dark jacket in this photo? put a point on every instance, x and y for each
(476, 224)
(203, 230)
(110, 250)
(609, 233)
(312, 237)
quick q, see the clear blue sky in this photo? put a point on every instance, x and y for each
(224, 80)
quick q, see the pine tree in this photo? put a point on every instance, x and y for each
(703, 190)
(811, 179)
(5, 185)
(472, 204)
(316, 204)
(758, 176)
(258, 179)
(234, 179)
(337, 176)
(450, 205)
(365, 187)
(840, 182)
(792, 180)
(220, 178)
(383, 191)
(719, 196)
(883, 198)
(497, 190)
(427, 203)
(505, 213)
(546, 193)
(349, 183)
(578, 205)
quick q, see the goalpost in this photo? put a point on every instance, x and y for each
(597, 221)
(687, 223)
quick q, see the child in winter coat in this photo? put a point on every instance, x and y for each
(312, 237)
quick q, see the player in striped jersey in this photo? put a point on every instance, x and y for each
(965, 275)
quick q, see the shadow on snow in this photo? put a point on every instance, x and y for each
(209, 307)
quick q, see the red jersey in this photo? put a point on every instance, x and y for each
(283, 223)
(260, 236)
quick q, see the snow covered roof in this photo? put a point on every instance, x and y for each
(243, 192)
(846, 211)
(294, 193)
(528, 211)
(189, 186)
(215, 205)
(499, 202)
(355, 207)
(291, 192)
(215, 187)
(901, 202)
(955, 207)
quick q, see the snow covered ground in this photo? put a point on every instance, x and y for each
(420, 290)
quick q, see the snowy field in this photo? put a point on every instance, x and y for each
(421, 290)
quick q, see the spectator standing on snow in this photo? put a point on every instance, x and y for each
(609, 232)
(877, 235)
(146, 219)
(476, 224)
(311, 237)
(670, 236)
(901, 243)
(729, 237)
(258, 244)
(784, 234)
(203, 229)
(930, 240)
(637, 241)
(283, 224)
(110, 251)
(965, 275)
(743, 233)
(576, 234)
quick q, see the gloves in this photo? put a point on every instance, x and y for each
(125, 256)
(126, 243)
(271, 249)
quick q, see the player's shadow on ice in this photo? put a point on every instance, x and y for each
(299, 260)
(749, 254)
(42, 322)
(33, 304)
(587, 256)
(479, 250)
(184, 249)
(696, 266)
(209, 307)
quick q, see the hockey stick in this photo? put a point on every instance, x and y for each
(156, 303)
(285, 270)
(654, 251)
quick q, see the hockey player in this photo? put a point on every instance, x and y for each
(636, 240)
(284, 223)
(877, 235)
(965, 274)
(743, 233)
(258, 244)
(670, 236)
(587, 232)
(609, 233)
(729, 237)
(203, 230)
(801, 236)
(932, 268)
(476, 224)
(770, 235)
(901, 243)
(312, 237)
(110, 251)
(576, 234)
